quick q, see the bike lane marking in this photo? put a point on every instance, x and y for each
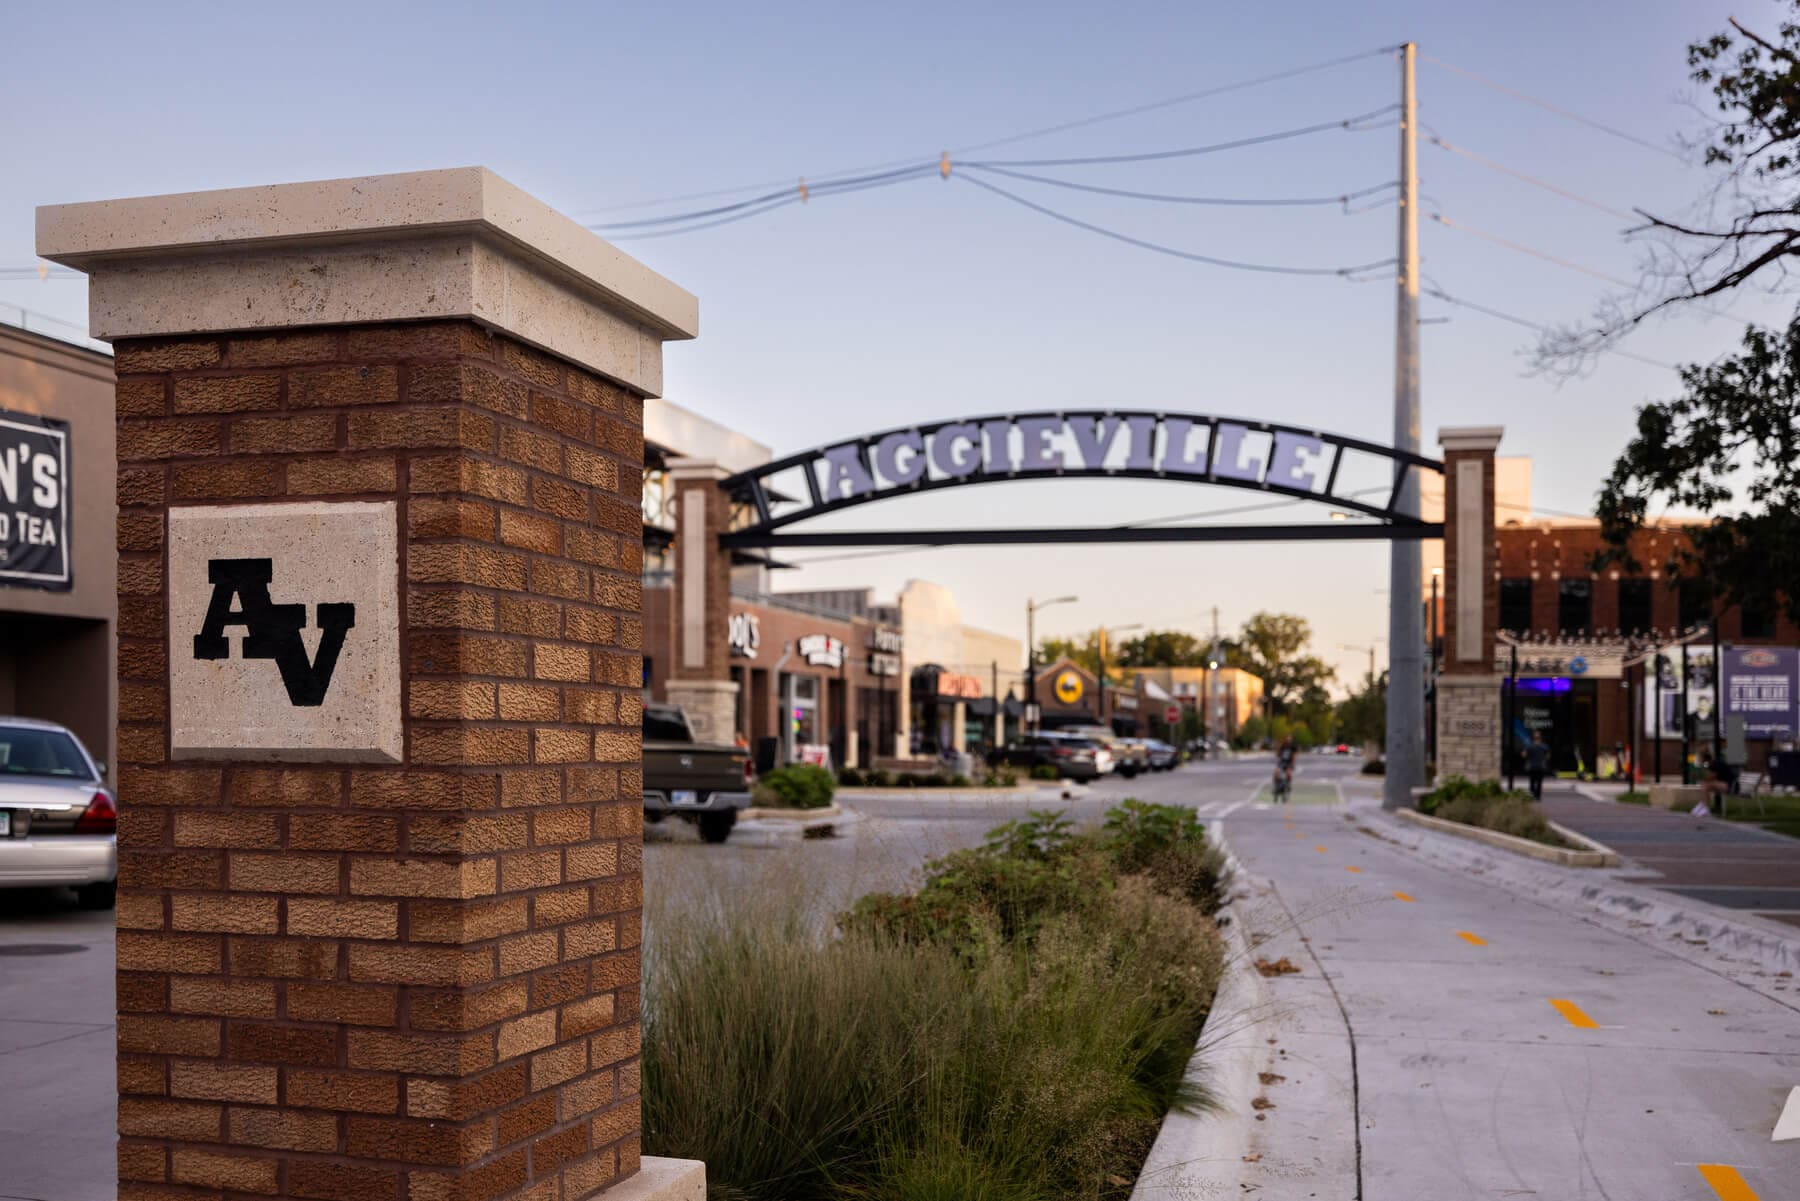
(1573, 1014)
(1726, 1182)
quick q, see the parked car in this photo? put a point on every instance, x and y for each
(1163, 757)
(698, 782)
(58, 820)
(1130, 757)
(1073, 757)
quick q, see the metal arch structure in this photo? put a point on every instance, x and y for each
(1260, 456)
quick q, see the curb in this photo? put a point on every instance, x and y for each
(1743, 939)
(764, 831)
(1067, 791)
(1200, 1155)
(1595, 854)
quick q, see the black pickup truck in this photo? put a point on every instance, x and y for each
(702, 783)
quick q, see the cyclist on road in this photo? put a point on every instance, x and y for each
(1284, 769)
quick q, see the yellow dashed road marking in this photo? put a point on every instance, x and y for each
(1400, 896)
(1349, 868)
(1726, 1182)
(1475, 940)
(1572, 1012)
(1321, 850)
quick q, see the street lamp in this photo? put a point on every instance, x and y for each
(1136, 625)
(1031, 608)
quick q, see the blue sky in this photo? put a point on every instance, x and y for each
(933, 298)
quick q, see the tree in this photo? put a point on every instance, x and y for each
(1084, 652)
(1732, 438)
(1269, 646)
(1162, 648)
(1362, 716)
(1748, 226)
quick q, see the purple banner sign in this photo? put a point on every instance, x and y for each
(1762, 685)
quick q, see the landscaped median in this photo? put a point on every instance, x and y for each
(1014, 1029)
(1486, 812)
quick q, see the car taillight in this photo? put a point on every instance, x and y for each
(100, 817)
(1061, 752)
(749, 771)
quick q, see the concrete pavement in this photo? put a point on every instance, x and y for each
(1732, 864)
(1498, 1047)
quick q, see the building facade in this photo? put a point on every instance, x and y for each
(58, 522)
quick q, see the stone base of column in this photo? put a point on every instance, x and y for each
(710, 705)
(1468, 724)
(660, 1179)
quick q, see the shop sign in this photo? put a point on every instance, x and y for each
(1068, 687)
(884, 640)
(883, 664)
(743, 635)
(951, 684)
(1761, 687)
(822, 650)
(34, 502)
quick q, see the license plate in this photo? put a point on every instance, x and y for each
(5, 823)
(684, 796)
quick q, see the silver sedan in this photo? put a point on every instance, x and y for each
(58, 820)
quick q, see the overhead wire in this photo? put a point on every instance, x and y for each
(1533, 180)
(1548, 106)
(1342, 199)
(792, 192)
(1355, 124)
(1043, 131)
(1521, 248)
(1188, 255)
(1438, 293)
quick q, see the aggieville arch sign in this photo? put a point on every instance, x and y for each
(1109, 444)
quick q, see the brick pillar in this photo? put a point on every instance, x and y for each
(379, 937)
(700, 678)
(1468, 690)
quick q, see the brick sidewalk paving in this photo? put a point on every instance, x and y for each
(1731, 864)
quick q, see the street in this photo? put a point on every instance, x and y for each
(1501, 1048)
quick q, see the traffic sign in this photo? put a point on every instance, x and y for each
(1172, 715)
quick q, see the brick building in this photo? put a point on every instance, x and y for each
(1587, 642)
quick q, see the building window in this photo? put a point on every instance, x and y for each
(1515, 605)
(1696, 604)
(1574, 606)
(1756, 620)
(1634, 605)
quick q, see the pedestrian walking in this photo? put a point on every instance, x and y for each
(1537, 762)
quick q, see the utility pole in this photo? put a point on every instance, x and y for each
(1031, 608)
(1406, 635)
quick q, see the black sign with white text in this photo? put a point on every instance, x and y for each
(34, 502)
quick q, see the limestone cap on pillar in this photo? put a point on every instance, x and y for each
(426, 245)
(682, 470)
(1470, 437)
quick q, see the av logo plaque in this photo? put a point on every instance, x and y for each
(284, 632)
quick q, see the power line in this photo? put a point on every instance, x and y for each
(1354, 124)
(1434, 291)
(1533, 180)
(1189, 256)
(1343, 199)
(1546, 256)
(1045, 131)
(793, 192)
(1555, 108)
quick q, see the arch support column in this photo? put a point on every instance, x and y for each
(1468, 688)
(700, 678)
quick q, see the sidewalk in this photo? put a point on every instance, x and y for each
(1500, 1046)
(1731, 864)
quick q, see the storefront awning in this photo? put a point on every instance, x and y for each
(1155, 692)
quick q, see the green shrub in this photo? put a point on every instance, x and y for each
(1375, 767)
(881, 777)
(796, 786)
(1026, 1053)
(1004, 776)
(849, 777)
(1044, 771)
(1516, 814)
(1460, 788)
